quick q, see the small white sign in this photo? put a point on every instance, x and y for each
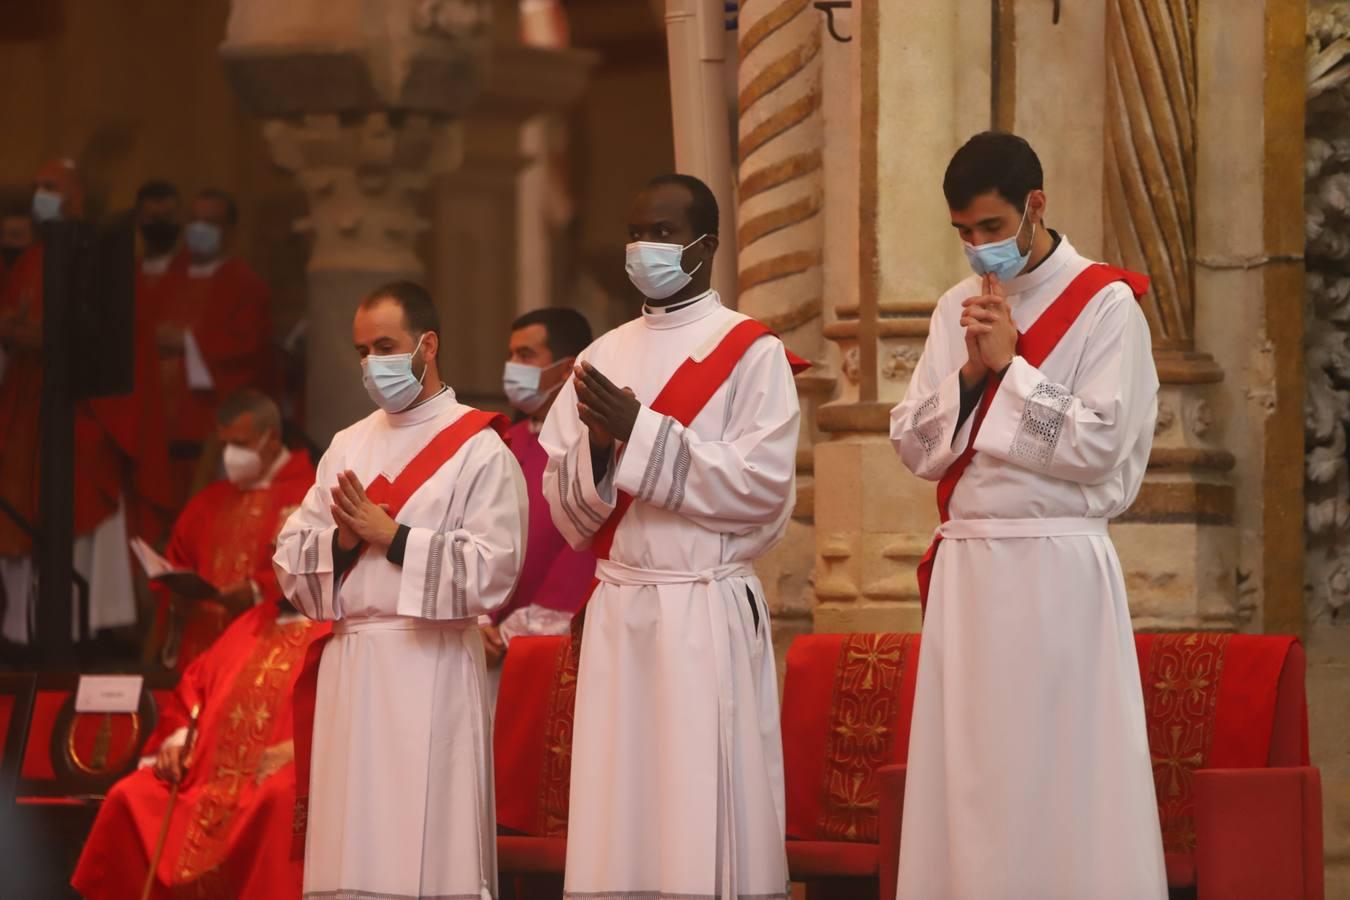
(109, 693)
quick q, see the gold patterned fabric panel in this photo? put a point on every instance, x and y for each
(1181, 691)
(248, 724)
(556, 780)
(864, 723)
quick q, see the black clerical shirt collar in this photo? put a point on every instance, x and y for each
(674, 307)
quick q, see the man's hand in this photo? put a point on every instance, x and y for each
(239, 597)
(987, 319)
(494, 648)
(272, 759)
(170, 763)
(358, 518)
(609, 413)
(169, 339)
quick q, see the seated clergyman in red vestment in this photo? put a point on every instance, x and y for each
(227, 533)
(230, 833)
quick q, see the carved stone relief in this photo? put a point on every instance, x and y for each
(1327, 313)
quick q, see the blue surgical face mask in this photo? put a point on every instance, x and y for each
(46, 206)
(389, 380)
(203, 240)
(521, 384)
(1002, 258)
(655, 268)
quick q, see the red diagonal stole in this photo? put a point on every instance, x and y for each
(428, 461)
(683, 398)
(685, 395)
(1034, 347)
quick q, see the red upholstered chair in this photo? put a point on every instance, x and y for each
(847, 701)
(532, 753)
(1241, 809)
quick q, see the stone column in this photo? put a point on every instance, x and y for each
(1177, 542)
(780, 235)
(484, 268)
(359, 99)
(921, 86)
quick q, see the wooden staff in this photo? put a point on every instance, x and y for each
(173, 799)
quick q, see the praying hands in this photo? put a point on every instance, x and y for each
(608, 411)
(991, 336)
(358, 518)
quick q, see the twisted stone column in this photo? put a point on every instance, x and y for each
(1177, 540)
(780, 239)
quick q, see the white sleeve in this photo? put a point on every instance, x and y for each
(304, 556)
(468, 564)
(733, 485)
(578, 505)
(924, 425)
(1086, 434)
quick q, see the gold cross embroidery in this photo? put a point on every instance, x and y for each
(236, 716)
(270, 665)
(871, 658)
(1175, 763)
(854, 802)
(261, 716)
(236, 772)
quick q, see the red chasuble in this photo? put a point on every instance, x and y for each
(226, 534)
(98, 458)
(230, 831)
(229, 315)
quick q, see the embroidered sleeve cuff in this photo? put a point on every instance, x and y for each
(583, 502)
(436, 576)
(1025, 420)
(644, 456)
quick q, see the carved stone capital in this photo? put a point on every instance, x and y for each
(364, 179)
(346, 56)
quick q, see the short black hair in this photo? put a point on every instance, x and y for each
(993, 161)
(419, 312)
(231, 208)
(156, 189)
(568, 331)
(266, 413)
(703, 214)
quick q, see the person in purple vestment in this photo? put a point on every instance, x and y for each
(555, 578)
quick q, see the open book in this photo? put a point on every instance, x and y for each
(184, 582)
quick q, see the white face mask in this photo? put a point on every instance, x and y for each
(521, 384)
(655, 268)
(389, 379)
(46, 206)
(243, 465)
(204, 239)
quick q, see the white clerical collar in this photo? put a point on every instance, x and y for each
(425, 411)
(156, 265)
(1045, 271)
(277, 465)
(682, 313)
(206, 269)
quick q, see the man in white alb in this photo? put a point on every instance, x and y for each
(672, 455)
(413, 529)
(1033, 407)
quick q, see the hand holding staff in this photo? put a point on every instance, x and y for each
(173, 799)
